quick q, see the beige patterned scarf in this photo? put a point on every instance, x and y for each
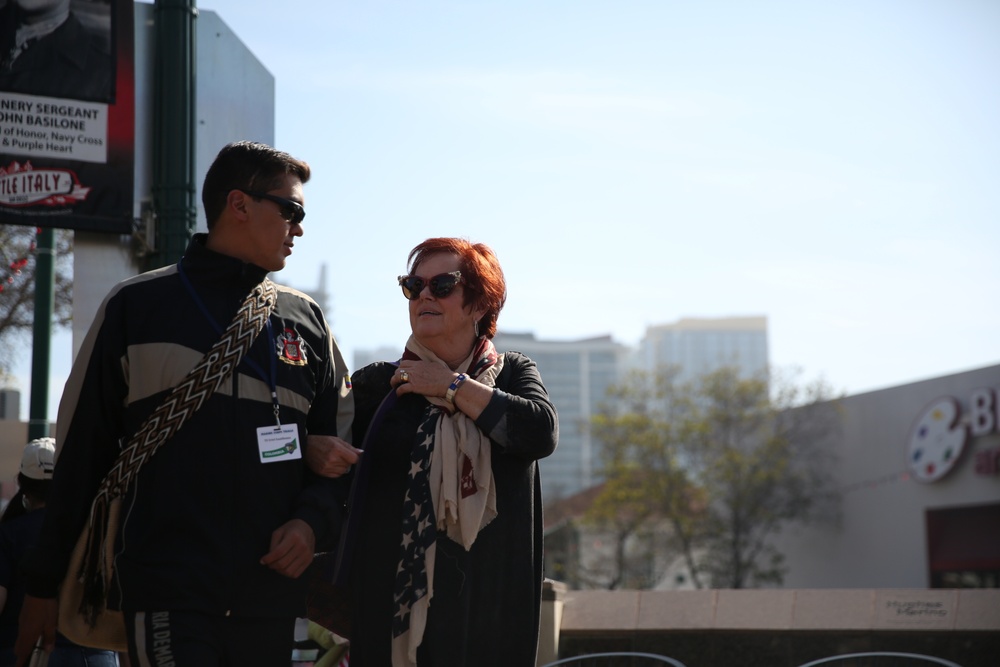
(461, 488)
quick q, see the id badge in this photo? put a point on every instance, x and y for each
(279, 443)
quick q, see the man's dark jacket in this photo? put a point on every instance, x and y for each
(200, 516)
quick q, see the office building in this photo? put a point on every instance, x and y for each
(577, 375)
(10, 404)
(701, 345)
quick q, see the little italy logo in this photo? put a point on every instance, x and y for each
(23, 185)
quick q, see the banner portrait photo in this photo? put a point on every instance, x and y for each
(67, 114)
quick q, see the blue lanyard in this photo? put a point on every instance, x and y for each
(273, 356)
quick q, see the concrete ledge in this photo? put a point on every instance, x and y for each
(978, 610)
(754, 610)
(833, 610)
(681, 610)
(601, 610)
(897, 610)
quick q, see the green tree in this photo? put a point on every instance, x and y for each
(725, 461)
(621, 513)
(17, 288)
(645, 484)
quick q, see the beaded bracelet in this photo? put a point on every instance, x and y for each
(453, 387)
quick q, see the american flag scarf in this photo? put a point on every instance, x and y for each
(450, 458)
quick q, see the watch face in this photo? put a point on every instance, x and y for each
(937, 440)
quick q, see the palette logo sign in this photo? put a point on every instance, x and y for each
(23, 185)
(942, 431)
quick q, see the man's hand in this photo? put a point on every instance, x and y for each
(38, 619)
(292, 548)
(330, 456)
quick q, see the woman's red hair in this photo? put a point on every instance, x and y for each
(482, 277)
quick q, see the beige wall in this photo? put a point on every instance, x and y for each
(881, 539)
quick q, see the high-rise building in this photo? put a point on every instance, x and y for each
(701, 345)
(576, 374)
(10, 404)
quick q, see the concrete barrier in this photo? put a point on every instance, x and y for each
(634, 620)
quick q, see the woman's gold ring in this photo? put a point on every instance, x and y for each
(404, 376)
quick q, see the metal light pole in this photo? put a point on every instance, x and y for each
(41, 343)
(174, 129)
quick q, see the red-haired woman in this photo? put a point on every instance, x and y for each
(445, 532)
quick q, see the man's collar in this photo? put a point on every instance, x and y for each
(30, 31)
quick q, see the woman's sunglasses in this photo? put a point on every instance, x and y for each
(440, 285)
(291, 211)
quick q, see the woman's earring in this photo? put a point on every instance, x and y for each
(475, 327)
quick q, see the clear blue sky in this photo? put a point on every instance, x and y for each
(834, 166)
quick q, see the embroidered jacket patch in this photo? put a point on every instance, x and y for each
(291, 348)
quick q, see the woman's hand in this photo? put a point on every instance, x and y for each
(428, 378)
(422, 377)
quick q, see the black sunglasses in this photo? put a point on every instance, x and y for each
(291, 211)
(440, 285)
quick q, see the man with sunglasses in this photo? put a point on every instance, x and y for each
(219, 525)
